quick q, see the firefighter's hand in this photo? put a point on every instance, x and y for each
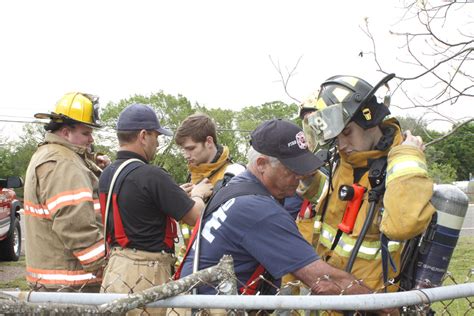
(102, 161)
(412, 140)
(187, 187)
(203, 188)
(326, 287)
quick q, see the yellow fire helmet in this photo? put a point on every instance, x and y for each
(76, 106)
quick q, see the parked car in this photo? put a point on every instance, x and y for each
(10, 231)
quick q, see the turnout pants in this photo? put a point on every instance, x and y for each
(131, 271)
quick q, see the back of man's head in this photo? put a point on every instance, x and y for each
(198, 127)
(135, 118)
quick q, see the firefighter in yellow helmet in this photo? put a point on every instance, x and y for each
(375, 173)
(65, 248)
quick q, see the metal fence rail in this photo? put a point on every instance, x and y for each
(281, 302)
(456, 299)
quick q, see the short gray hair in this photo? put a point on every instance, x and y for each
(252, 156)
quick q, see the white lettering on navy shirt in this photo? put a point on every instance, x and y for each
(214, 221)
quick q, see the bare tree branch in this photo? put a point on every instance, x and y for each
(455, 128)
(439, 60)
(285, 79)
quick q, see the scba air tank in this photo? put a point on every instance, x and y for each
(438, 242)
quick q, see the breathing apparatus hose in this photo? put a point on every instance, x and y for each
(363, 232)
(377, 183)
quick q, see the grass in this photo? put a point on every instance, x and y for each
(18, 283)
(19, 263)
(461, 270)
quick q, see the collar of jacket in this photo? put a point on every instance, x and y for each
(204, 170)
(360, 159)
(82, 151)
(51, 138)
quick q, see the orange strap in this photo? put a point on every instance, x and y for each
(250, 288)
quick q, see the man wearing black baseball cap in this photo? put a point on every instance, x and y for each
(246, 219)
(141, 220)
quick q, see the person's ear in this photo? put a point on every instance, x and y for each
(142, 135)
(262, 163)
(209, 141)
(64, 132)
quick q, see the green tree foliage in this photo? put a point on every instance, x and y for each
(457, 151)
(418, 127)
(171, 111)
(6, 159)
(448, 160)
(26, 147)
(251, 116)
(15, 157)
(441, 173)
(233, 127)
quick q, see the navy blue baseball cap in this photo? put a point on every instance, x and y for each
(138, 116)
(286, 142)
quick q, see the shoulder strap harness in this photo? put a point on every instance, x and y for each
(106, 199)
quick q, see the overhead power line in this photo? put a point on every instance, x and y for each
(19, 121)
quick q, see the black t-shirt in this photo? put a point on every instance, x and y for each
(146, 196)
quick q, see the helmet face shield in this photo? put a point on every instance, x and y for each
(327, 123)
(342, 99)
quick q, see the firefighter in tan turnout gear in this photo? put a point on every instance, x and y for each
(64, 244)
(379, 191)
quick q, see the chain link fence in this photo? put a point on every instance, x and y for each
(455, 297)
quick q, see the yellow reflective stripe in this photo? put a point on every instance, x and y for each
(317, 224)
(69, 198)
(36, 210)
(369, 250)
(96, 205)
(185, 230)
(92, 253)
(327, 235)
(54, 277)
(323, 186)
(406, 165)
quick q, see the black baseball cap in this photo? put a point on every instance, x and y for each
(138, 116)
(286, 142)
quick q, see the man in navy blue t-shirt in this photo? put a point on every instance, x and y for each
(256, 229)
